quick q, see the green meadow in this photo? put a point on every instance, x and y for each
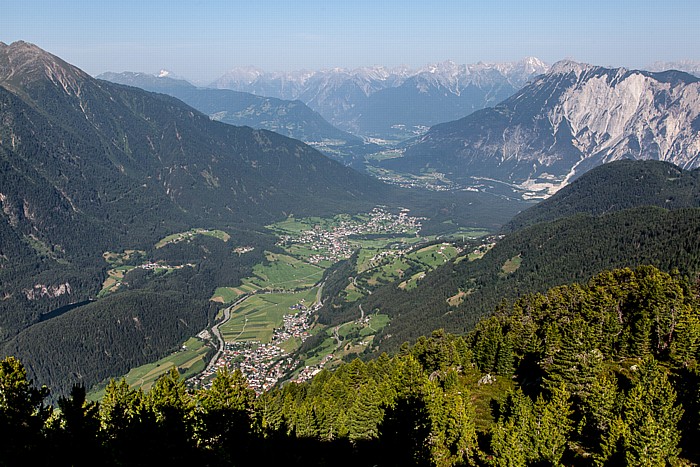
(257, 317)
(190, 360)
(178, 237)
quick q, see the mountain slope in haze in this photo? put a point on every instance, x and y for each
(289, 118)
(564, 123)
(616, 186)
(688, 66)
(391, 103)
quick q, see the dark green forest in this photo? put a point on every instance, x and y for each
(593, 374)
(617, 186)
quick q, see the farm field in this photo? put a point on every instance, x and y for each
(257, 317)
(354, 338)
(114, 280)
(381, 266)
(282, 272)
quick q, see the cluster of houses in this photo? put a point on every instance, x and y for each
(263, 365)
(333, 244)
(310, 371)
(295, 325)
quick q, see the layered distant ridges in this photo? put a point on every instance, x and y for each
(380, 101)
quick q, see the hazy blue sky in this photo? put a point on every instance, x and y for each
(202, 39)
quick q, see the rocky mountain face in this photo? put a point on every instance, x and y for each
(391, 103)
(571, 119)
(290, 118)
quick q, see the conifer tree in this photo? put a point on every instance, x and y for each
(646, 433)
(511, 441)
(22, 415)
(552, 426)
(226, 418)
(652, 418)
(76, 432)
(172, 409)
(365, 414)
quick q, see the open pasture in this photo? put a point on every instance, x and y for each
(257, 317)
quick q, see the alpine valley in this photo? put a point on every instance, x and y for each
(223, 276)
(94, 174)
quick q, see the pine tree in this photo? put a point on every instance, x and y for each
(172, 409)
(76, 432)
(652, 418)
(365, 414)
(552, 426)
(124, 421)
(22, 416)
(226, 416)
(511, 440)
(600, 405)
(577, 362)
(646, 433)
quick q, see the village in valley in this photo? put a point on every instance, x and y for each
(268, 316)
(266, 362)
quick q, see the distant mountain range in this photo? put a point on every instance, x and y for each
(565, 122)
(689, 66)
(393, 103)
(286, 117)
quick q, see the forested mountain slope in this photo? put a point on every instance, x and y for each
(455, 296)
(286, 117)
(616, 186)
(92, 171)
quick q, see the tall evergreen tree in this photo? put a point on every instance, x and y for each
(226, 417)
(22, 416)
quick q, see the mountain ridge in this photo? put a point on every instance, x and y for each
(289, 118)
(370, 101)
(565, 122)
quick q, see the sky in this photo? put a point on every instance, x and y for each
(201, 40)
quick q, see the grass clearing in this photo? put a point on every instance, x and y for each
(457, 299)
(511, 265)
(190, 360)
(434, 255)
(114, 280)
(281, 272)
(226, 294)
(284, 272)
(181, 236)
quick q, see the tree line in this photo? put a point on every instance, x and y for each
(595, 374)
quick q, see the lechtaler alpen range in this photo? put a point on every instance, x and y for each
(565, 122)
(386, 102)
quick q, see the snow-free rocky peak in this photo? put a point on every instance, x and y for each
(565, 122)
